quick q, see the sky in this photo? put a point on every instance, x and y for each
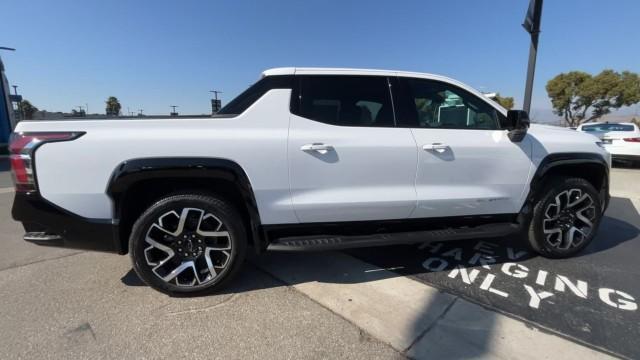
(153, 54)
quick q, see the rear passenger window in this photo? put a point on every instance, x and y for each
(346, 100)
(440, 105)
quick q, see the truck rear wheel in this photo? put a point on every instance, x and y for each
(565, 218)
(188, 244)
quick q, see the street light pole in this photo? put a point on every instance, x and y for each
(532, 25)
(531, 70)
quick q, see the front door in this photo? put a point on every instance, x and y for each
(467, 165)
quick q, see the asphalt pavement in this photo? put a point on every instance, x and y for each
(467, 299)
(57, 303)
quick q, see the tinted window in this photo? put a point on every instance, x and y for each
(607, 127)
(435, 104)
(346, 100)
(255, 92)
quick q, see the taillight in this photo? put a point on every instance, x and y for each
(21, 148)
(636, 139)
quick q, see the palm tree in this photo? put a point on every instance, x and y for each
(113, 106)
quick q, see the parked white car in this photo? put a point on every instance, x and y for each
(622, 140)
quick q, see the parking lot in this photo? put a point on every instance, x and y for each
(490, 298)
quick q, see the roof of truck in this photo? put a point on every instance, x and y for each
(347, 71)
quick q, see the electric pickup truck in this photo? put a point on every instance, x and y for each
(307, 159)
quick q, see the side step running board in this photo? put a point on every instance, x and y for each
(41, 237)
(338, 242)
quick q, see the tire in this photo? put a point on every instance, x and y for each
(188, 244)
(565, 218)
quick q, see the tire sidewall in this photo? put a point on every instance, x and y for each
(215, 206)
(537, 238)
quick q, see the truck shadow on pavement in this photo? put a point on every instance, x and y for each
(402, 259)
(489, 276)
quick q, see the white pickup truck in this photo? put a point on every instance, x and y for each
(307, 159)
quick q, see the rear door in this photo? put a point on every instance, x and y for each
(347, 160)
(467, 165)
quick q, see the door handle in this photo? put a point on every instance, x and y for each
(319, 147)
(438, 147)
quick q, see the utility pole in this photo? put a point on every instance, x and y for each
(215, 93)
(216, 104)
(19, 103)
(173, 113)
(86, 106)
(532, 26)
(140, 112)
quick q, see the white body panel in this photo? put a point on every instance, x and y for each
(373, 174)
(477, 172)
(367, 174)
(74, 175)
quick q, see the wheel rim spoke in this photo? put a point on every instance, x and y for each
(188, 247)
(569, 220)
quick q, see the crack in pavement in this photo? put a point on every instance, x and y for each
(432, 325)
(206, 308)
(41, 261)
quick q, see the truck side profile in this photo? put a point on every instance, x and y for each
(307, 159)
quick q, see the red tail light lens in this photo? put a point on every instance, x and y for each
(21, 148)
(636, 139)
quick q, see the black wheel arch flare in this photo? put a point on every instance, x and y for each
(580, 162)
(130, 172)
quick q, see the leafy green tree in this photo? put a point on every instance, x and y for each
(27, 109)
(506, 102)
(580, 97)
(113, 106)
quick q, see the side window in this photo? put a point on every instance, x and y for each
(346, 100)
(241, 102)
(441, 105)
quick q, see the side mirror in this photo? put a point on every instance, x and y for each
(518, 122)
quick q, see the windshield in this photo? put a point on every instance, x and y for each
(607, 127)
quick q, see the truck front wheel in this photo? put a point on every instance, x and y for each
(188, 243)
(565, 218)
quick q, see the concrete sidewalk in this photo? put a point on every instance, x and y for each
(624, 183)
(415, 319)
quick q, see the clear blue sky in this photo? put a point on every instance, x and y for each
(152, 54)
